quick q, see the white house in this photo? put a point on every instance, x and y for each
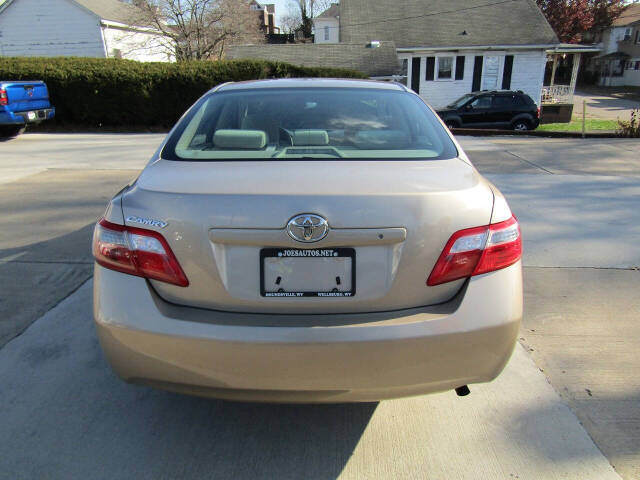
(83, 28)
(326, 26)
(451, 47)
(619, 63)
(443, 48)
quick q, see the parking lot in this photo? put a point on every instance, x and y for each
(566, 407)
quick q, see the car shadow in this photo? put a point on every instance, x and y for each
(62, 396)
(252, 440)
(60, 390)
(35, 277)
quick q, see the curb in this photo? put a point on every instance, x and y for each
(477, 132)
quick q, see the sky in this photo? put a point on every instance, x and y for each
(281, 7)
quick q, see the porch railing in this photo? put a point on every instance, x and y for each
(557, 94)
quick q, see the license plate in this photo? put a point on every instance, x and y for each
(327, 273)
(31, 116)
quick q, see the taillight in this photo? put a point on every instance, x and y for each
(4, 100)
(136, 251)
(478, 250)
(538, 112)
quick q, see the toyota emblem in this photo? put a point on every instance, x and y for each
(307, 228)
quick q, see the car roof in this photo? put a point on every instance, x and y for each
(310, 83)
(505, 92)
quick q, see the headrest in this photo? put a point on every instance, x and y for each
(240, 139)
(307, 138)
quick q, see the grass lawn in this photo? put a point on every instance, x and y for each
(576, 125)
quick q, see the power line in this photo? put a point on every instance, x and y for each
(398, 19)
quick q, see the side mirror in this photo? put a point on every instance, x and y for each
(468, 106)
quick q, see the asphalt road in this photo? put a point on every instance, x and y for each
(65, 415)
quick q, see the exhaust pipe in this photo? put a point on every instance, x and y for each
(463, 391)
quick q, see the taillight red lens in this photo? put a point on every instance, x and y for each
(478, 250)
(136, 251)
(4, 100)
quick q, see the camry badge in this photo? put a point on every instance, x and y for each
(147, 221)
(307, 228)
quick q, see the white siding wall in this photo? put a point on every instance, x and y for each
(319, 28)
(631, 78)
(611, 38)
(527, 75)
(49, 28)
(144, 47)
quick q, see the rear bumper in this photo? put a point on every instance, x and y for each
(22, 118)
(315, 358)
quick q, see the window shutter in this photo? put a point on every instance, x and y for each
(477, 73)
(508, 69)
(415, 74)
(431, 69)
(460, 67)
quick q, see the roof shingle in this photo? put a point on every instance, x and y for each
(629, 16)
(445, 23)
(332, 11)
(113, 10)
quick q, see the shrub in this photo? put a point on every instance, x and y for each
(98, 92)
(630, 128)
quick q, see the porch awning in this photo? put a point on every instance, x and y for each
(562, 48)
(613, 56)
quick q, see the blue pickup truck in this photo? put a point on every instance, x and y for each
(23, 103)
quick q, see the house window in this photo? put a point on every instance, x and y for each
(445, 68)
(405, 70)
(618, 68)
(638, 37)
(326, 33)
(627, 34)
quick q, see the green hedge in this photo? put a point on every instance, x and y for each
(98, 92)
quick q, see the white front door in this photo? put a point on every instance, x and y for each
(490, 73)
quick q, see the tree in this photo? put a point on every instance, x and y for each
(571, 19)
(199, 29)
(301, 15)
(605, 12)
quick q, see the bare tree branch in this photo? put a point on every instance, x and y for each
(199, 29)
(301, 14)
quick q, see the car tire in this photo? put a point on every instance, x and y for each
(10, 131)
(521, 125)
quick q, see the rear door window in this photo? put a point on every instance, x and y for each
(482, 102)
(505, 101)
(309, 123)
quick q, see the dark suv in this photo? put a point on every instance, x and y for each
(496, 109)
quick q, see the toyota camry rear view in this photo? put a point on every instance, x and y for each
(308, 241)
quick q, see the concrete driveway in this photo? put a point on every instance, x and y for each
(65, 415)
(604, 106)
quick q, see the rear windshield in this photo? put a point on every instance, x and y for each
(309, 123)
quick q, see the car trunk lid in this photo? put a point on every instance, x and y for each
(395, 216)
